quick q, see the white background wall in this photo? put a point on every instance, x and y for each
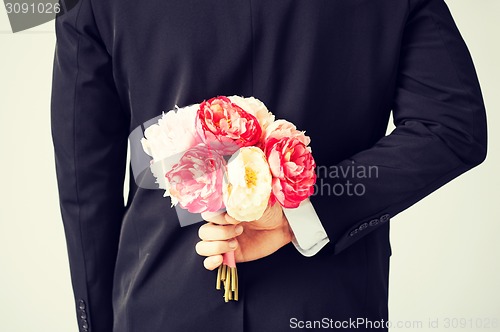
(446, 249)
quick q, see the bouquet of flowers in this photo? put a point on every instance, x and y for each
(230, 153)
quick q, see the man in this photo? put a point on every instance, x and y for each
(334, 68)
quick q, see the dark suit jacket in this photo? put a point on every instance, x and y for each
(336, 68)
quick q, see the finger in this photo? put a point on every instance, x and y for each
(214, 232)
(230, 220)
(215, 217)
(212, 248)
(212, 262)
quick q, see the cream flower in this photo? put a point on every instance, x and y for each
(247, 185)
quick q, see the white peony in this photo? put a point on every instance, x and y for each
(167, 140)
(247, 185)
(174, 133)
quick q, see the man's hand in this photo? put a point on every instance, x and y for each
(249, 240)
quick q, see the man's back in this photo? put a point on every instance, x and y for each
(334, 68)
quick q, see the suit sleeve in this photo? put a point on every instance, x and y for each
(440, 131)
(89, 131)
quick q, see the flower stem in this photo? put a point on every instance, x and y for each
(228, 275)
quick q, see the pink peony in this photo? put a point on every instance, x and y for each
(196, 180)
(255, 107)
(282, 128)
(293, 170)
(225, 126)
